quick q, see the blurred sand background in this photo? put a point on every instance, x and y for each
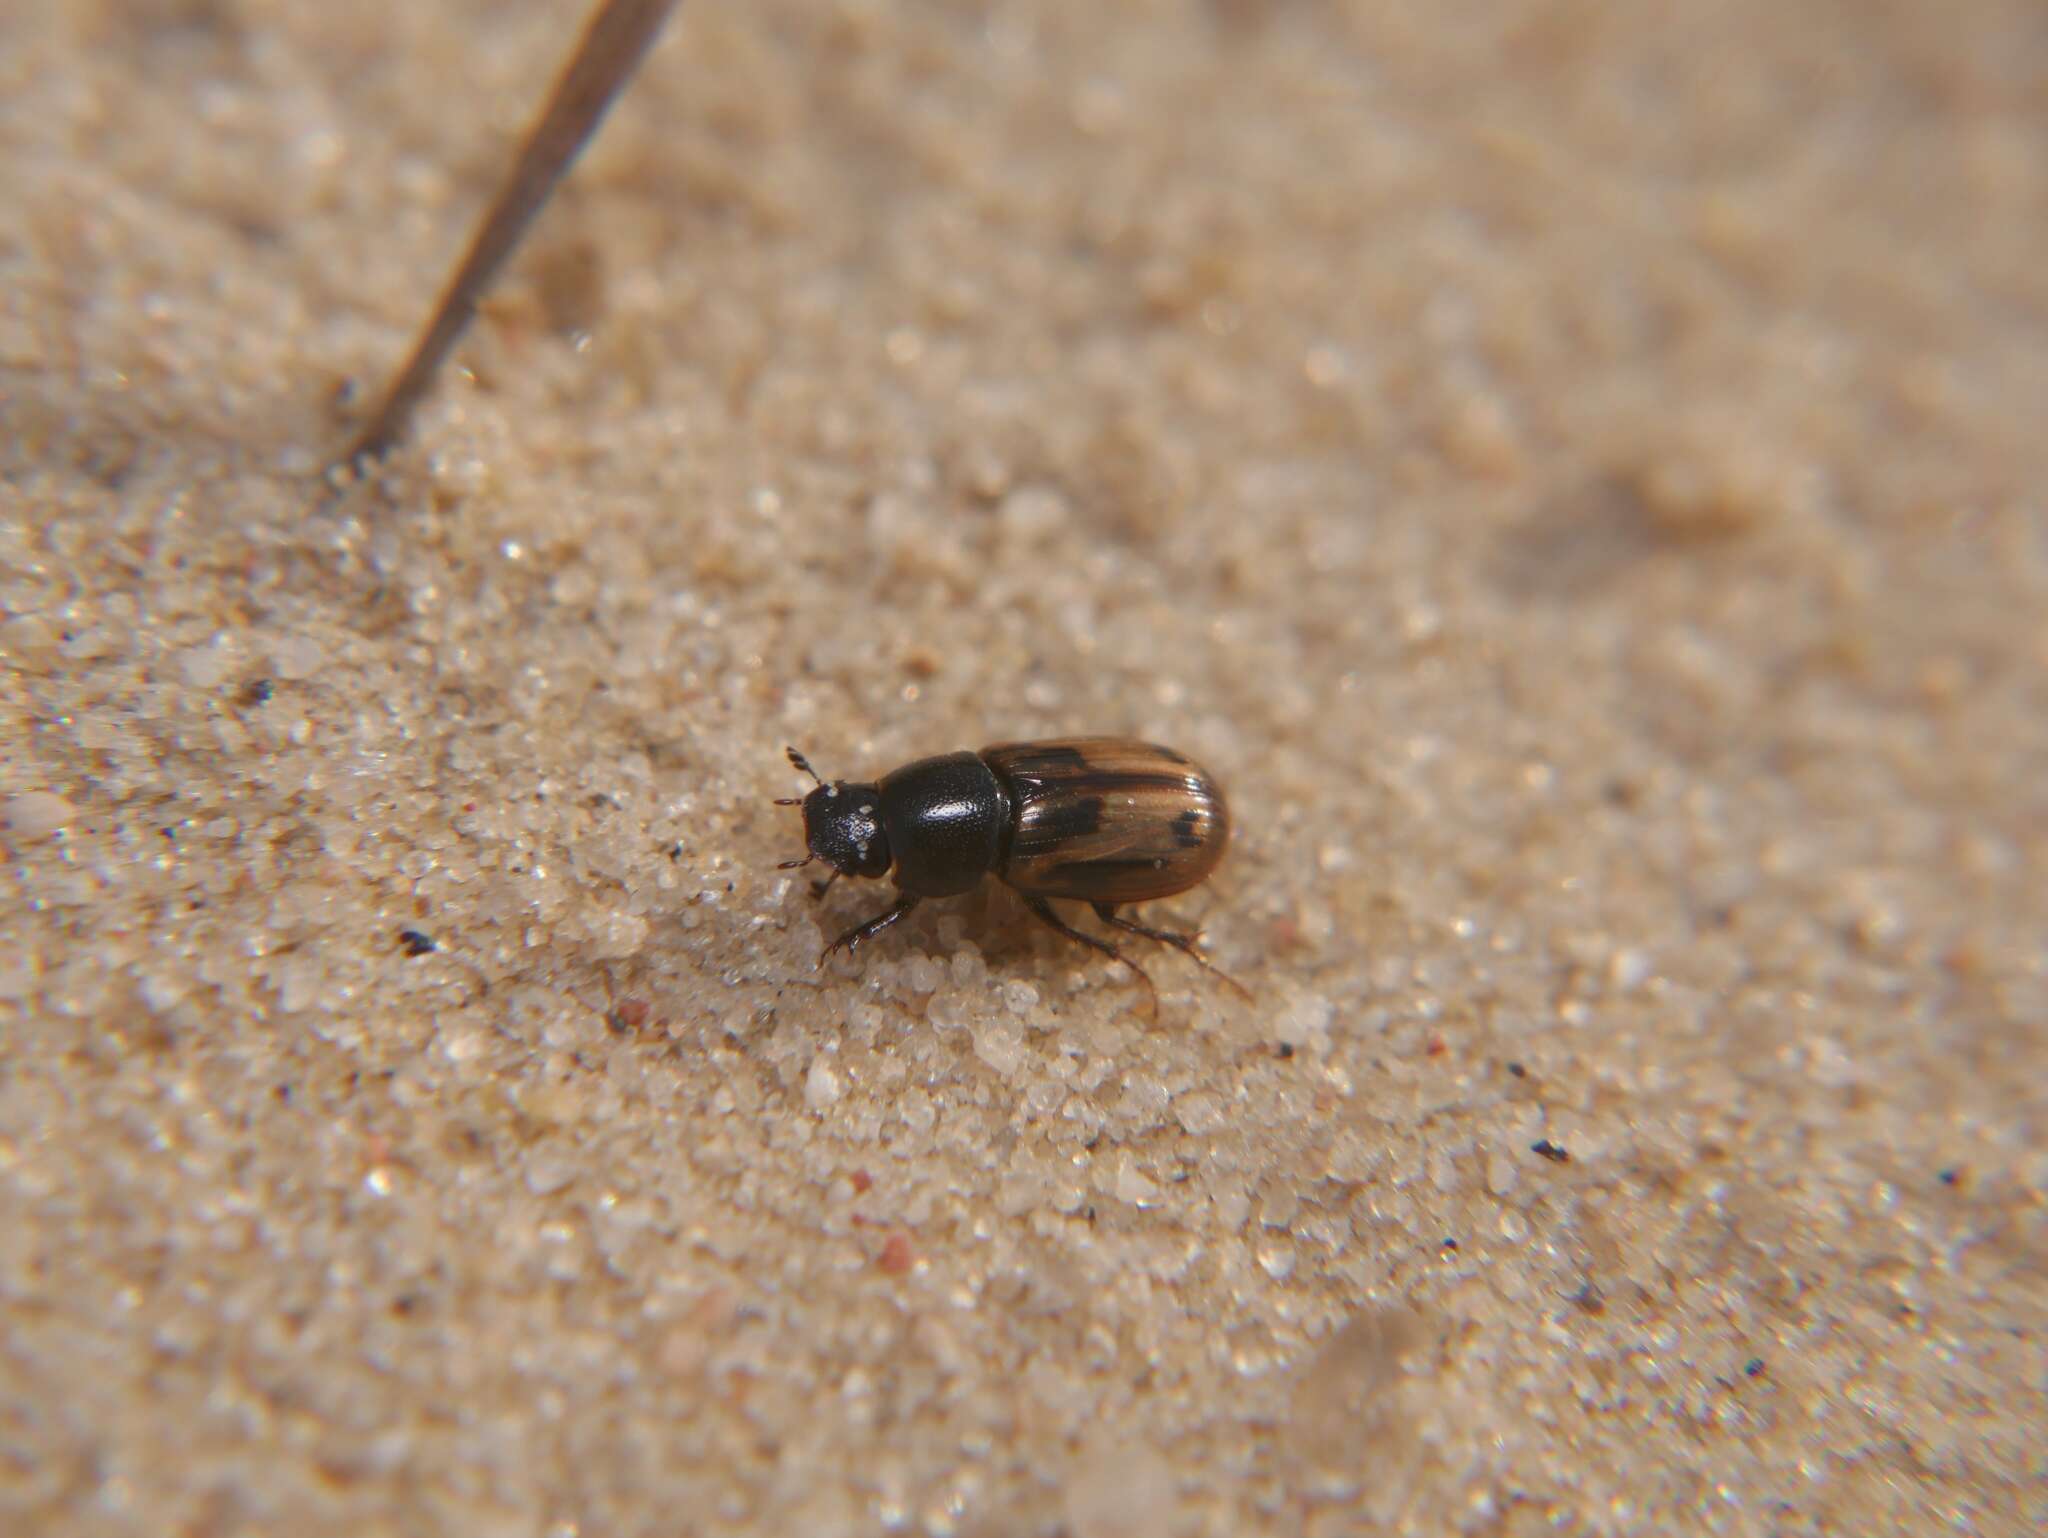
(1575, 471)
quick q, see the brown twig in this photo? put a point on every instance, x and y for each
(618, 37)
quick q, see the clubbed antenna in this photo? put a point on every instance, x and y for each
(804, 764)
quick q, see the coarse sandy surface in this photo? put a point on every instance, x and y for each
(1574, 471)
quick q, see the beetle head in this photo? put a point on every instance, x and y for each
(842, 825)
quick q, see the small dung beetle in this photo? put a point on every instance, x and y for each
(1101, 820)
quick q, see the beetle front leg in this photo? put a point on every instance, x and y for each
(850, 941)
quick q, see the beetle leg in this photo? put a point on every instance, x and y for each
(1184, 943)
(820, 888)
(850, 941)
(1043, 909)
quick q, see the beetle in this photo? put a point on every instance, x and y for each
(1102, 820)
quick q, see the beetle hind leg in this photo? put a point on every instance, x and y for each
(1182, 943)
(1043, 909)
(850, 941)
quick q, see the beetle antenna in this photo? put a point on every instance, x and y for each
(794, 864)
(803, 763)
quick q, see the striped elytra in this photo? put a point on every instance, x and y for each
(1108, 819)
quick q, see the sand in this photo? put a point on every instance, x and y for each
(1575, 472)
